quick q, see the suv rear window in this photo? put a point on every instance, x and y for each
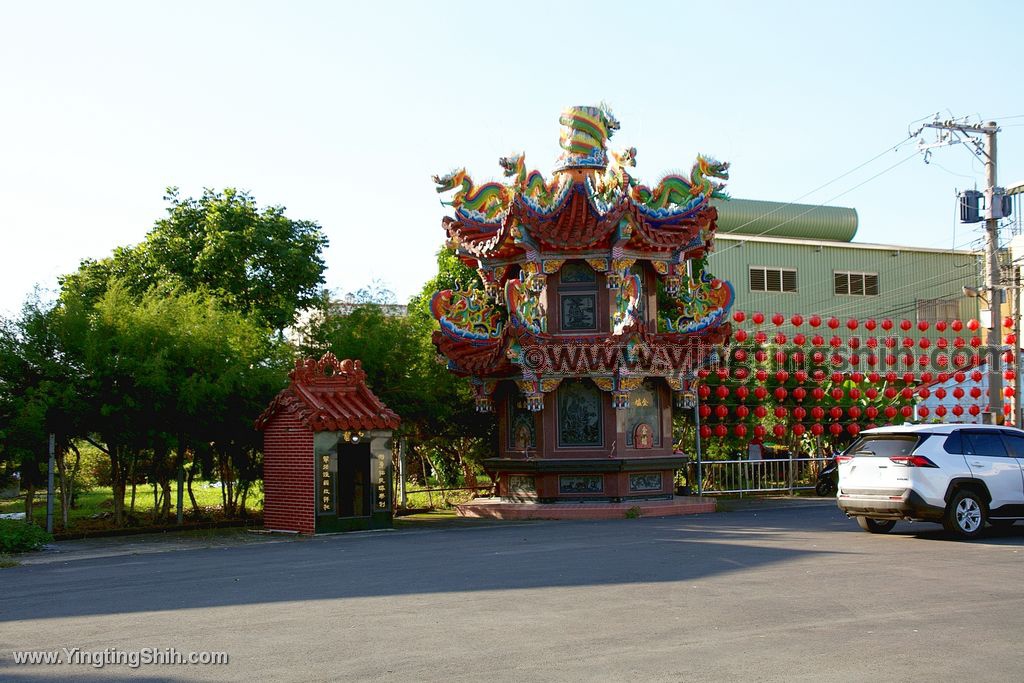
(885, 445)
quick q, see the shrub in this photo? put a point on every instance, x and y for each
(17, 537)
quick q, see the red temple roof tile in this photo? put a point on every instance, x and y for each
(330, 395)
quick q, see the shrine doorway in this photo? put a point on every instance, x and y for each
(355, 488)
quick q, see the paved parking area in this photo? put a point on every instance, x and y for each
(763, 592)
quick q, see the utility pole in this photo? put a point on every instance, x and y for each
(954, 132)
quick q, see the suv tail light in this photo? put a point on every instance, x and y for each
(912, 461)
(843, 458)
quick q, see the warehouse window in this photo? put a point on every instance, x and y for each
(934, 310)
(772, 279)
(856, 284)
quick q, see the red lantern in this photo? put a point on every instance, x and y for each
(723, 373)
(817, 412)
(908, 342)
(780, 394)
(759, 431)
(742, 412)
(800, 376)
(780, 357)
(974, 410)
(703, 373)
(799, 393)
(975, 342)
(890, 376)
(721, 391)
(959, 376)
(972, 325)
(890, 392)
(942, 343)
(815, 320)
(907, 393)
(872, 343)
(853, 428)
(869, 324)
(740, 430)
(799, 429)
(924, 392)
(817, 357)
(782, 376)
(907, 411)
(742, 393)
(739, 316)
(1007, 322)
(926, 377)
(721, 411)
(890, 359)
(799, 339)
(871, 393)
(705, 411)
(958, 410)
(890, 342)
(799, 413)
(740, 373)
(940, 393)
(976, 375)
(740, 335)
(835, 428)
(780, 338)
(854, 393)
(779, 431)
(817, 429)
(924, 343)
(874, 377)
(958, 342)
(780, 412)
(818, 375)
(1008, 392)
(922, 325)
(797, 320)
(1009, 374)
(956, 325)
(761, 375)
(721, 431)
(853, 343)
(872, 360)
(975, 392)
(833, 323)
(760, 338)
(836, 412)
(760, 355)
(854, 412)
(940, 411)
(835, 342)
(871, 412)
(851, 324)
(923, 411)
(958, 393)
(1010, 338)
(818, 393)
(890, 412)
(704, 391)
(905, 325)
(760, 411)
(1008, 357)
(886, 324)
(837, 377)
(837, 394)
(778, 319)
(760, 393)
(705, 432)
(817, 340)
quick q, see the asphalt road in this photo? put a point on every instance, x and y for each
(754, 594)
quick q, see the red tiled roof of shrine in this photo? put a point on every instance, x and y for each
(576, 225)
(330, 395)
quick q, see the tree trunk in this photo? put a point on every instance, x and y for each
(30, 499)
(180, 468)
(188, 485)
(117, 483)
(131, 476)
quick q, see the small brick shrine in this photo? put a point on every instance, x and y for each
(327, 451)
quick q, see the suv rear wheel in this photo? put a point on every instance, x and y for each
(965, 515)
(876, 526)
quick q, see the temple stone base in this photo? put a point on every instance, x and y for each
(501, 508)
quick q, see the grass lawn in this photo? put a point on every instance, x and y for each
(99, 500)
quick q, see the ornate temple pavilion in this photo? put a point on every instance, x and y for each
(592, 311)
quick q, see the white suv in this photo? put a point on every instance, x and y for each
(961, 476)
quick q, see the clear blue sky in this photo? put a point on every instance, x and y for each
(342, 112)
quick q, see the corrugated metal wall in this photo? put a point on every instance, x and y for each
(904, 277)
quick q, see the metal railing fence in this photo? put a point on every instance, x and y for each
(760, 476)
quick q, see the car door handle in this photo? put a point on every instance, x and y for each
(977, 464)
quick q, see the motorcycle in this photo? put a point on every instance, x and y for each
(827, 483)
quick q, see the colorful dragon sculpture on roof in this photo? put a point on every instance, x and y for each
(703, 302)
(585, 135)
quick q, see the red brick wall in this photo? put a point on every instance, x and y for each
(288, 496)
